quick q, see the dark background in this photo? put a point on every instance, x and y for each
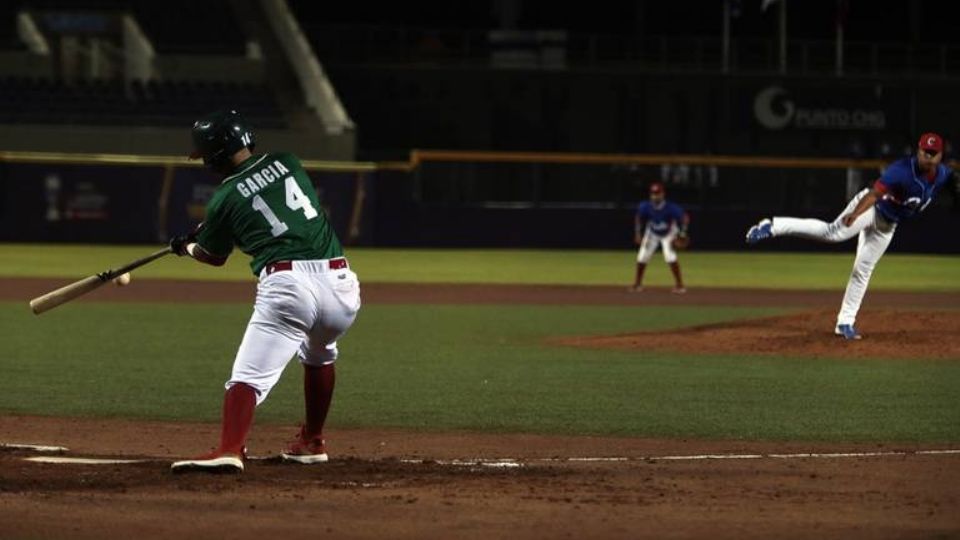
(618, 77)
(865, 20)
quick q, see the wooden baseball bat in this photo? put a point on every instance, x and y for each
(79, 288)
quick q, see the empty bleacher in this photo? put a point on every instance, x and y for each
(174, 27)
(204, 27)
(8, 28)
(195, 34)
(157, 103)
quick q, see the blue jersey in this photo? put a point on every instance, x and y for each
(660, 218)
(906, 192)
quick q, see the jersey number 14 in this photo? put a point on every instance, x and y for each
(296, 200)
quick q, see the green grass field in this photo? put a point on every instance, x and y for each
(480, 368)
(741, 269)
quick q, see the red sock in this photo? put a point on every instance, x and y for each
(637, 281)
(318, 384)
(675, 268)
(238, 405)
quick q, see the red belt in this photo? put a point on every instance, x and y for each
(282, 266)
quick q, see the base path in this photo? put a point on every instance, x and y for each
(398, 484)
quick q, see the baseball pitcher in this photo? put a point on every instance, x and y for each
(663, 224)
(307, 296)
(904, 190)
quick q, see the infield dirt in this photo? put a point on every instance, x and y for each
(389, 483)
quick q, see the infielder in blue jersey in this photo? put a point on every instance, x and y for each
(658, 223)
(904, 190)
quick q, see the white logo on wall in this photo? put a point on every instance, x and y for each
(52, 184)
(773, 109)
(86, 203)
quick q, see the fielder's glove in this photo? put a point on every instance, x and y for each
(681, 242)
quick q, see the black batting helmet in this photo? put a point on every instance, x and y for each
(220, 135)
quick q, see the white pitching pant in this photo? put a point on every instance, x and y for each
(875, 234)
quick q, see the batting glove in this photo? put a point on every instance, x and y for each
(178, 244)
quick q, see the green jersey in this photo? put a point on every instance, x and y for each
(269, 209)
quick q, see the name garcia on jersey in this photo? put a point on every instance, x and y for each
(261, 179)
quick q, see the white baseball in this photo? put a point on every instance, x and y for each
(122, 279)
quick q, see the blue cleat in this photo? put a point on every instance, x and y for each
(847, 331)
(760, 231)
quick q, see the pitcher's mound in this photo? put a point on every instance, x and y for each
(887, 334)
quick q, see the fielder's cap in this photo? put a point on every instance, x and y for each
(931, 141)
(656, 188)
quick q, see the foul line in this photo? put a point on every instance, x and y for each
(516, 462)
(34, 447)
(82, 461)
(521, 462)
(810, 455)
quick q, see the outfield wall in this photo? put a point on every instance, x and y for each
(445, 204)
(399, 220)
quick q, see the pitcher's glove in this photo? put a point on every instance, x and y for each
(681, 242)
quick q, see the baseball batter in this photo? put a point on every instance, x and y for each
(307, 296)
(658, 223)
(904, 190)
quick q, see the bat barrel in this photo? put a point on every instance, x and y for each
(79, 288)
(65, 294)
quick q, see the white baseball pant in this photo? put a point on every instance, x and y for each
(304, 311)
(875, 234)
(652, 240)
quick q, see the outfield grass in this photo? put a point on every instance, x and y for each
(476, 368)
(482, 367)
(575, 267)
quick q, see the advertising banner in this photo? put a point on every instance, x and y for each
(187, 199)
(79, 203)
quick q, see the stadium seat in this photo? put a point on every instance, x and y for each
(97, 102)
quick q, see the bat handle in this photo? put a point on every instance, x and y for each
(110, 274)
